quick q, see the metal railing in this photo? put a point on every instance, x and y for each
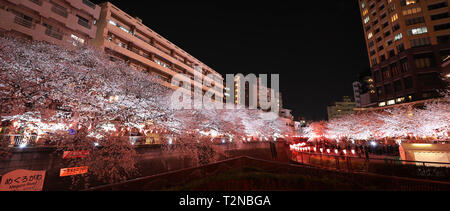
(24, 22)
(38, 2)
(55, 34)
(179, 178)
(60, 11)
(89, 4)
(389, 167)
(84, 23)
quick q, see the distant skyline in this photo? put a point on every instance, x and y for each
(317, 47)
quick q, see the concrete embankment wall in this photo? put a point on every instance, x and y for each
(152, 161)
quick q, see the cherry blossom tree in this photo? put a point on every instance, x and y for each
(79, 100)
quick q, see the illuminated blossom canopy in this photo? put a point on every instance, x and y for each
(433, 120)
(48, 90)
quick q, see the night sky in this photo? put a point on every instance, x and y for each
(317, 48)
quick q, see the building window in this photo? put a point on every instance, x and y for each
(386, 73)
(429, 79)
(413, 21)
(366, 19)
(389, 43)
(424, 60)
(379, 39)
(412, 11)
(83, 22)
(377, 30)
(398, 86)
(391, 8)
(394, 17)
(391, 53)
(377, 76)
(443, 39)
(442, 27)
(416, 31)
(400, 48)
(408, 2)
(437, 6)
(380, 91)
(365, 12)
(404, 64)
(420, 42)
(395, 27)
(60, 10)
(408, 82)
(77, 40)
(399, 36)
(118, 25)
(375, 22)
(374, 61)
(439, 16)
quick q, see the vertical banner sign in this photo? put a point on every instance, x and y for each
(73, 171)
(23, 180)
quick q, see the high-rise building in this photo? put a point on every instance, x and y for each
(407, 41)
(339, 109)
(251, 95)
(126, 38)
(364, 90)
(59, 22)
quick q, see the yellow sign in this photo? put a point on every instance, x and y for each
(73, 171)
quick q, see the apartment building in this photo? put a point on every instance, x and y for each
(60, 22)
(407, 42)
(126, 38)
(339, 109)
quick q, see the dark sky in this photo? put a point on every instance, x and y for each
(317, 48)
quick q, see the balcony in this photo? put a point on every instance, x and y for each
(55, 34)
(24, 22)
(38, 2)
(60, 11)
(89, 4)
(84, 23)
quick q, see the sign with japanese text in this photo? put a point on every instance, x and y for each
(75, 154)
(73, 171)
(23, 180)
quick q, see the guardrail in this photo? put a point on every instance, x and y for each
(181, 177)
(389, 167)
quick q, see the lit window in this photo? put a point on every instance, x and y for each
(363, 5)
(366, 19)
(382, 104)
(399, 36)
(391, 102)
(394, 17)
(416, 31)
(370, 35)
(77, 40)
(365, 12)
(408, 2)
(412, 11)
